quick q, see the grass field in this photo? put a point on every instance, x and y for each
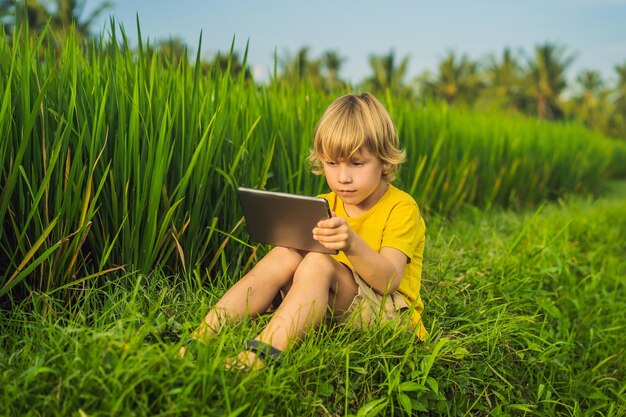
(526, 312)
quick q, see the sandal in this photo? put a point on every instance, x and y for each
(191, 348)
(267, 353)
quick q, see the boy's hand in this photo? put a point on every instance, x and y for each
(333, 233)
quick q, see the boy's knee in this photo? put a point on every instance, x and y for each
(319, 260)
(316, 265)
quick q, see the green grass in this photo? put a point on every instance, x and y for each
(526, 313)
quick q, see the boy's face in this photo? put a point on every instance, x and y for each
(358, 181)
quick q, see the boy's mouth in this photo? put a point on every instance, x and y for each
(346, 192)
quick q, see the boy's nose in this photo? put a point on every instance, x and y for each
(344, 176)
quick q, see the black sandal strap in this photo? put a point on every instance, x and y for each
(268, 353)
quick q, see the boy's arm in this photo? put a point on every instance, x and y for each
(382, 271)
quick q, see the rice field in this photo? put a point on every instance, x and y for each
(113, 160)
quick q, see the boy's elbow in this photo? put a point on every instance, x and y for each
(390, 285)
(395, 279)
(394, 284)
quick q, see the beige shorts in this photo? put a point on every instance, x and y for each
(369, 307)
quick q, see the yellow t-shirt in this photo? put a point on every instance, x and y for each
(394, 221)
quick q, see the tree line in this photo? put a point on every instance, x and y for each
(532, 84)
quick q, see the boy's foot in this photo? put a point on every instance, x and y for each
(182, 351)
(257, 355)
(200, 336)
(190, 348)
(244, 361)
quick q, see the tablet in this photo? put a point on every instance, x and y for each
(283, 219)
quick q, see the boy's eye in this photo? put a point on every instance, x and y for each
(358, 163)
(331, 163)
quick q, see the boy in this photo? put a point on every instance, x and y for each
(376, 228)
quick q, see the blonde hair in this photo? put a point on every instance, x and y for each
(352, 123)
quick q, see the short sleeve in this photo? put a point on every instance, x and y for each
(404, 229)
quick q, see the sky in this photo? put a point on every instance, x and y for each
(594, 31)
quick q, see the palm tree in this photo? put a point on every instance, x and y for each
(388, 74)
(14, 13)
(589, 98)
(457, 80)
(620, 88)
(300, 66)
(618, 117)
(332, 61)
(232, 64)
(61, 16)
(503, 78)
(545, 79)
(70, 12)
(173, 49)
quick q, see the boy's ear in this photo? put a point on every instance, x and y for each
(388, 171)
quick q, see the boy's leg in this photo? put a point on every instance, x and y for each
(252, 294)
(318, 281)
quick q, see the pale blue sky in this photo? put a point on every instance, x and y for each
(594, 30)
